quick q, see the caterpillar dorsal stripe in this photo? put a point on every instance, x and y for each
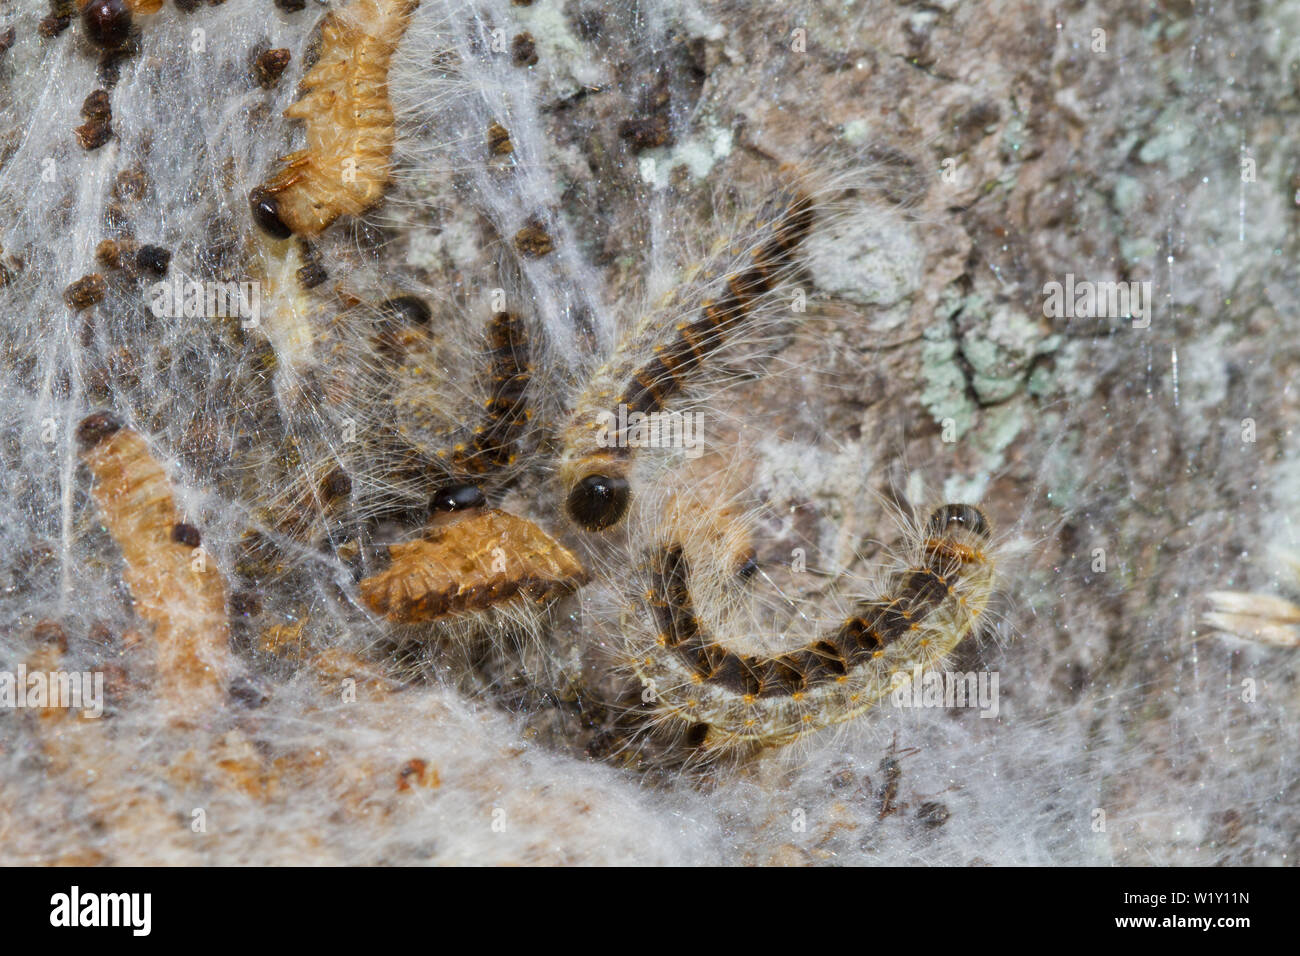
(506, 410)
(656, 382)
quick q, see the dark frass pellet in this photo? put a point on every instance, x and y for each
(87, 291)
(645, 133)
(523, 50)
(50, 27)
(153, 259)
(186, 534)
(336, 485)
(108, 254)
(498, 138)
(269, 66)
(97, 106)
(533, 240)
(94, 133)
(932, 814)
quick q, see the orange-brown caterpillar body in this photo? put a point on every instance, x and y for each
(345, 166)
(182, 597)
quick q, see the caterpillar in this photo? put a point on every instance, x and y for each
(505, 411)
(345, 166)
(719, 699)
(184, 600)
(596, 452)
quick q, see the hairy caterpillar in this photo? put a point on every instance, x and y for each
(597, 454)
(345, 166)
(183, 599)
(470, 563)
(505, 411)
(720, 699)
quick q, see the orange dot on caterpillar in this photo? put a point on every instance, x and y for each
(349, 118)
(183, 598)
(723, 699)
(470, 559)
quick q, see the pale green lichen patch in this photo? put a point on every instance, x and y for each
(1000, 344)
(1129, 195)
(698, 154)
(562, 57)
(1171, 143)
(944, 395)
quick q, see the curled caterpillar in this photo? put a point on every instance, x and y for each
(345, 166)
(184, 599)
(655, 365)
(108, 23)
(469, 560)
(720, 699)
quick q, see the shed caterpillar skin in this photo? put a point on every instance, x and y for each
(471, 563)
(345, 166)
(1266, 618)
(654, 365)
(722, 700)
(186, 607)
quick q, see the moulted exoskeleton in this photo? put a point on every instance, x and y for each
(346, 163)
(174, 587)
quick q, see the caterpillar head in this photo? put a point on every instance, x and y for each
(961, 532)
(96, 428)
(456, 498)
(599, 500)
